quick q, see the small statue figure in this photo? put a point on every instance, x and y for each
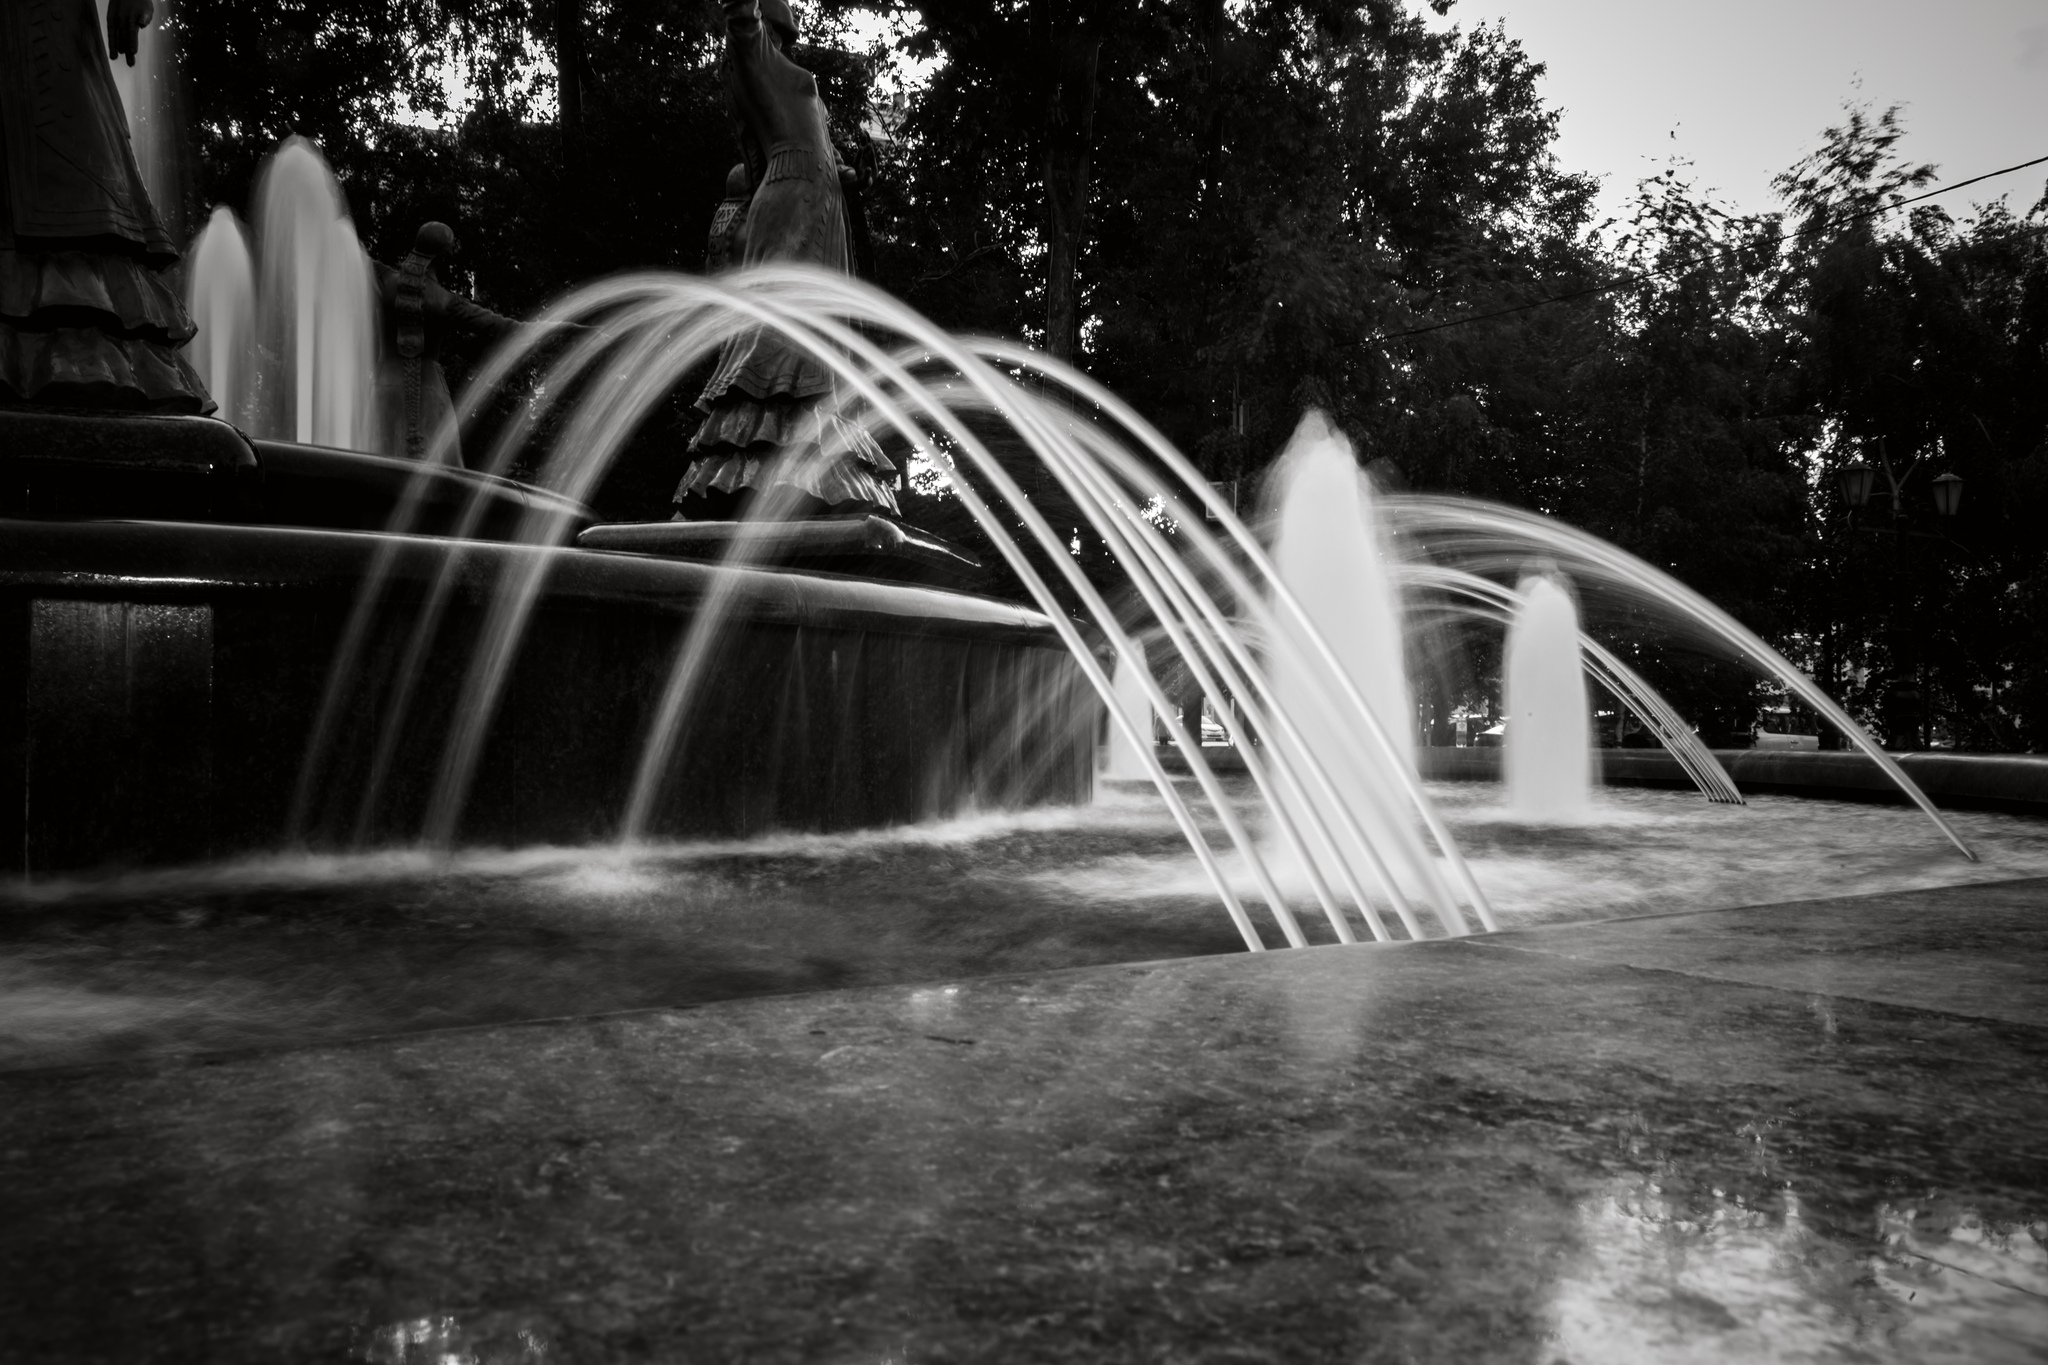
(86, 319)
(768, 408)
(416, 414)
(728, 223)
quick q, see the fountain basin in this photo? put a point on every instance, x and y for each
(2008, 782)
(2014, 782)
(161, 681)
(89, 465)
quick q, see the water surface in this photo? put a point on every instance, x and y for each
(286, 950)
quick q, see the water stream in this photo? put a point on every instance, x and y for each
(1305, 640)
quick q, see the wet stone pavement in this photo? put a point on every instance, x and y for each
(1815, 1132)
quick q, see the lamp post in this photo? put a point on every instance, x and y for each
(1904, 705)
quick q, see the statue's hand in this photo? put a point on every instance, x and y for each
(125, 21)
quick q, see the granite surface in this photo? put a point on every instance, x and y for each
(1811, 1132)
(1978, 950)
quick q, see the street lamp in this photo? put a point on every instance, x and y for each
(1948, 494)
(1857, 480)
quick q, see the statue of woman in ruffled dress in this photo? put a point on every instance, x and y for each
(769, 419)
(86, 320)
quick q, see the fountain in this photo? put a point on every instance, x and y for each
(315, 307)
(287, 323)
(1333, 559)
(400, 681)
(1549, 753)
(429, 675)
(399, 634)
(221, 296)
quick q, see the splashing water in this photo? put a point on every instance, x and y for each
(1319, 726)
(221, 296)
(1548, 758)
(1124, 763)
(315, 307)
(1332, 556)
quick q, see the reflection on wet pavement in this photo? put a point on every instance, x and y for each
(1670, 1271)
(1793, 1133)
(442, 1340)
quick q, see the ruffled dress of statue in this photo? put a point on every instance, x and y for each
(86, 320)
(770, 410)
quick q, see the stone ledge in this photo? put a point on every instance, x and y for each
(2012, 782)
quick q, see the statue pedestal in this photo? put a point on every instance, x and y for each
(59, 463)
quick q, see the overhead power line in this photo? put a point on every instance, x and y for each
(1626, 280)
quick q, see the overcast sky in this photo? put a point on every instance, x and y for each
(1748, 85)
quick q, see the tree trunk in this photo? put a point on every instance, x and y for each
(569, 70)
(1069, 152)
(1212, 27)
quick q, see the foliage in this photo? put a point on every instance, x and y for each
(1920, 347)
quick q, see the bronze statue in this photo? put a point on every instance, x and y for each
(416, 414)
(721, 246)
(86, 320)
(767, 409)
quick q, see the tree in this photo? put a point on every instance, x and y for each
(1029, 75)
(1923, 346)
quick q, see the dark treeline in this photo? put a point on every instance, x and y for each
(1225, 211)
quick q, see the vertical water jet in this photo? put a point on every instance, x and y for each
(1331, 553)
(315, 306)
(220, 293)
(1124, 763)
(1548, 758)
